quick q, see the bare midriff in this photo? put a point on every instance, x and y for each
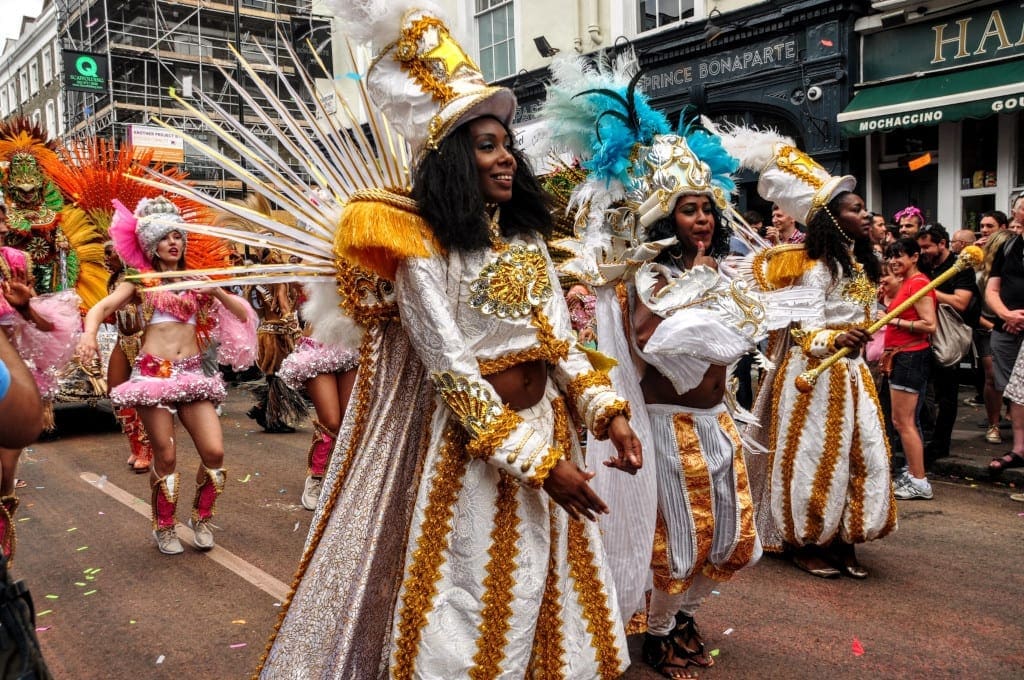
(170, 340)
(658, 389)
(521, 386)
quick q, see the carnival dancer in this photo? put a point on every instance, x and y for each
(822, 489)
(43, 330)
(129, 340)
(436, 549)
(167, 377)
(325, 368)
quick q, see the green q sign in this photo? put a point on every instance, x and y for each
(85, 71)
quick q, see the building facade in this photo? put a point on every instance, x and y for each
(136, 53)
(938, 102)
(30, 73)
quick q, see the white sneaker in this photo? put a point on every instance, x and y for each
(311, 492)
(203, 539)
(167, 541)
(901, 479)
(914, 489)
(993, 436)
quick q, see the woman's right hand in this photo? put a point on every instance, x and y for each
(87, 349)
(567, 486)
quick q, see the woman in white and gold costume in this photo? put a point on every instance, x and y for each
(498, 570)
(825, 485)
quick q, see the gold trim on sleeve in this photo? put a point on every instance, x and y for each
(470, 402)
(604, 419)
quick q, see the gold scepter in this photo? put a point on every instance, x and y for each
(970, 256)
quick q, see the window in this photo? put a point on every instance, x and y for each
(3, 103)
(51, 120)
(37, 116)
(33, 76)
(496, 30)
(12, 96)
(656, 13)
(47, 66)
(23, 83)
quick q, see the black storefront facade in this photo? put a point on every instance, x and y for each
(938, 101)
(787, 65)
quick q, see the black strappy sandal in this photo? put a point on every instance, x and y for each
(688, 642)
(660, 654)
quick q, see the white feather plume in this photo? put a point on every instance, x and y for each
(376, 21)
(330, 327)
(753, 148)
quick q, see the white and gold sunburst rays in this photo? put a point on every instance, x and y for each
(341, 159)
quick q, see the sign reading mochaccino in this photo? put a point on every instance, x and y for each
(746, 61)
(987, 34)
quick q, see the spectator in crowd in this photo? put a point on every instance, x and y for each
(1004, 294)
(783, 229)
(910, 220)
(961, 293)
(756, 222)
(991, 222)
(961, 239)
(907, 339)
(1017, 213)
(879, 233)
(992, 399)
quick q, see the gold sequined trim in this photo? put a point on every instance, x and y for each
(563, 443)
(407, 53)
(869, 385)
(661, 568)
(495, 618)
(859, 290)
(396, 198)
(487, 441)
(835, 424)
(584, 381)
(619, 407)
(365, 297)
(424, 572)
(797, 423)
(557, 349)
(548, 642)
(470, 401)
(858, 472)
(746, 535)
(545, 352)
(594, 600)
(513, 284)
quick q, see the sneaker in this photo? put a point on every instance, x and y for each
(1019, 497)
(311, 492)
(902, 478)
(914, 489)
(993, 436)
(203, 537)
(974, 401)
(167, 541)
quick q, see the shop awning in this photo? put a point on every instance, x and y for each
(934, 99)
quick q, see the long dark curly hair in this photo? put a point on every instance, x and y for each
(826, 242)
(666, 228)
(446, 185)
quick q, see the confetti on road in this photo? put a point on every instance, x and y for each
(72, 529)
(727, 631)
(247, 478)
(40, 629)
(237, 645)
(160, 659)
(81, 548)
(44, 613)
(102, 513)
(858, 648)
(239, 622)
(714, 652)
(88, 592)
(24, 519)
(79, 584)
(715, 592)
(53, 597)
(296, 528)
(131, 622)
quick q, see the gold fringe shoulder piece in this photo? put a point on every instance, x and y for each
(781, 266)
(378, 232)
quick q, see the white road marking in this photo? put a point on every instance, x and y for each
(227, 559)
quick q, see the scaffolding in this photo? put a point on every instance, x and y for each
(154, 45)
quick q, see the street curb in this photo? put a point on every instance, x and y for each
(951, 467)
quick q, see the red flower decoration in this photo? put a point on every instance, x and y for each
(154, 367)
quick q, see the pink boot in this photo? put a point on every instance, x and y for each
(204, 504)
(319, 457)
(165, 504)
(138, 440)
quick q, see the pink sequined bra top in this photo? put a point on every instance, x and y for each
(170, 307)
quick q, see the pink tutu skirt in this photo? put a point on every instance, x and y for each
(162, 382)
(311, 358)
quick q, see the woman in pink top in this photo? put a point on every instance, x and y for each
(908, 338)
